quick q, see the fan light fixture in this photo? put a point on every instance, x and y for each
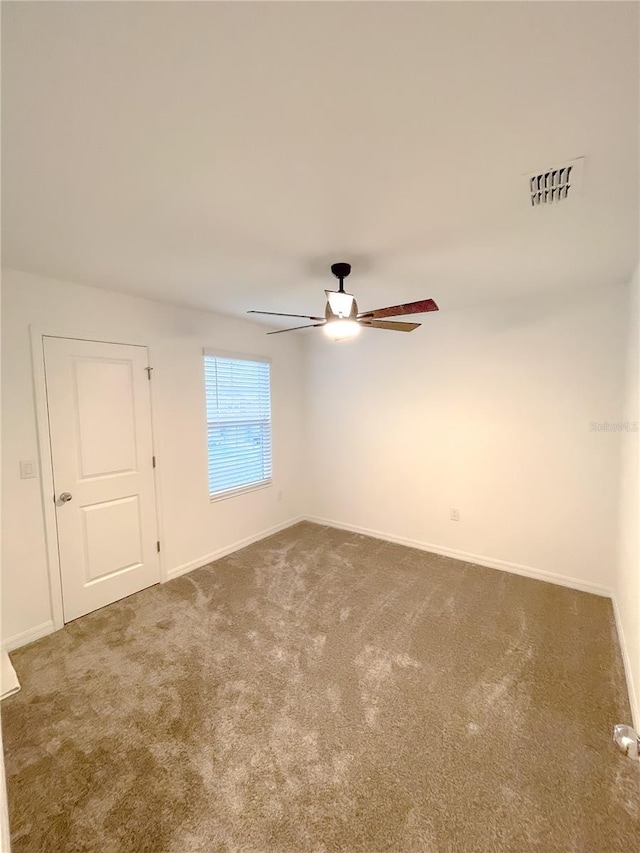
(340, 302)
(341, 330)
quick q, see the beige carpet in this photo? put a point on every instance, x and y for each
(321, 691)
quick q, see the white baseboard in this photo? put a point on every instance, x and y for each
(624, 650)
(229, 549)
(5, 834)
(30, 636)
(39, 631)
(26, 637)
(527, 571)
(478, 559)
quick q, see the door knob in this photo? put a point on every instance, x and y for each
(64, 497)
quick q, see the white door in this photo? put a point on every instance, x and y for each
(100, 429)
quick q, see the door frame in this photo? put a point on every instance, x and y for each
(54, 571)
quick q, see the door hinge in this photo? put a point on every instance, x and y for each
(153, 459)
(158, 546)
(149, 369)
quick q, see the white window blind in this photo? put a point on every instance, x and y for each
(238, 423)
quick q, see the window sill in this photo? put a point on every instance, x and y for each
(241, 490)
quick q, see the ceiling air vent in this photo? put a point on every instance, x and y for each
(556, 184)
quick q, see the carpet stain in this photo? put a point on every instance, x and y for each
(320, 691)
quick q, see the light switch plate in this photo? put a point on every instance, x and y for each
(27, 469)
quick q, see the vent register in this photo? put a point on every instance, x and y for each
(555, 184)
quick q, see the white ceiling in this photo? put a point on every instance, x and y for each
(222, 155)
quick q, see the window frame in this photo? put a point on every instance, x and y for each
(259, 484)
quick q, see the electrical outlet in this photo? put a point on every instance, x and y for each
(280, 495)
(455, 514)
(27, 469)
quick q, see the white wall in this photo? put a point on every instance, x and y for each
(487, 410)
(193, 528)
(627, 581)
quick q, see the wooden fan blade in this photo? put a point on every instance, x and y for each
(277, 314)
(393, 327)
(420, 307)
(293, 328)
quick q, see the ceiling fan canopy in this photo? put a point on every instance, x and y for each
(342, 320)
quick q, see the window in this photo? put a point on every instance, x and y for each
(238, 424)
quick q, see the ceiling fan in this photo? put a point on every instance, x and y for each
(342, 319)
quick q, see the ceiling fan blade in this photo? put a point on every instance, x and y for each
(277, 314)
(393, 327)
(420, 307)
(293, 328)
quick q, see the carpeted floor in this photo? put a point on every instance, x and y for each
(321, 691)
